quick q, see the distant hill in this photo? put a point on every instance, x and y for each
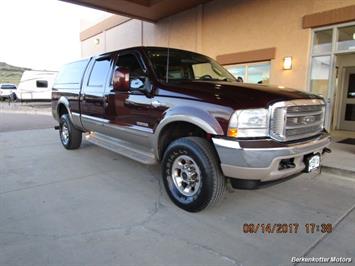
(11, 74)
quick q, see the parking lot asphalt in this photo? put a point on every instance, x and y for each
(24, 121)
(93, 207)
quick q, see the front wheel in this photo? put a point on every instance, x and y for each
(69, 135)
(191, 174)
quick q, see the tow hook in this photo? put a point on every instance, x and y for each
(326, 150)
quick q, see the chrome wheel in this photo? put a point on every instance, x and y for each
(186, 175)
(65, 134)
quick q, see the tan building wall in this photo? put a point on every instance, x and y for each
(94, 45)
(128, 35)
(226, 26)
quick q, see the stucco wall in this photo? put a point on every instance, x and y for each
(226, 26)
(126, 36)
(93, 46)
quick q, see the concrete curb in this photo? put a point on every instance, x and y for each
(348, 174)
(28, 112)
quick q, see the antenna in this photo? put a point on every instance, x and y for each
(168, 55)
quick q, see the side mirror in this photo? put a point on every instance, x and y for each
(120, 79)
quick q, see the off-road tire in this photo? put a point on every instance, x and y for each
(74, 135)
(212, 184)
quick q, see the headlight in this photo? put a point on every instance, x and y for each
(249, 123)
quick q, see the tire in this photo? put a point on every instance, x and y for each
(69, 135)
(201, 187)
(13, 97)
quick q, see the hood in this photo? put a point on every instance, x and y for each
(235, 95)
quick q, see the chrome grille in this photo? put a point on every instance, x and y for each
(296, 119)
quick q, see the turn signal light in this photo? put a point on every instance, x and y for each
(232, 132)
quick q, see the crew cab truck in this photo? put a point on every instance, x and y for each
(185, 111)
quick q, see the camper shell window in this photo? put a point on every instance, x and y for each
(72, 73)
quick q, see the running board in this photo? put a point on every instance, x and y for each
(121, 147)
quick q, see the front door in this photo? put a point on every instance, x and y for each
(132, 113)
(347, 121)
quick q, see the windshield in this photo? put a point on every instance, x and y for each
(184, 65)
(8, 87)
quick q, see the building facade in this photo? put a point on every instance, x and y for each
(304, 44)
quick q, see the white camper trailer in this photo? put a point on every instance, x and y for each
(36, 85)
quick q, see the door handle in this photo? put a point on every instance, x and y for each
(105, 100)
(156, 103)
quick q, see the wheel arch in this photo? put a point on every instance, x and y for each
(63, 106)
(186, 118)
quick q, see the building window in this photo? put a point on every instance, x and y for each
(252, 72)
(346, 38)
(320, 75)
(322, 41)
(328, 45)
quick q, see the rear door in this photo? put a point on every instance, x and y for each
(92, 102)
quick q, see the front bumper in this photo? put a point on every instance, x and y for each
(260, 159)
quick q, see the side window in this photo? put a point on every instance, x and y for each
(42, 84)
(137, 75)
(99, 72)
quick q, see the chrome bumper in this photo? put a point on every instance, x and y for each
(260, 159)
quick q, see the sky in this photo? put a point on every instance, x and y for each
(42, 34)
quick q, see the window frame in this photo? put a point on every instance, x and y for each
(330, 100)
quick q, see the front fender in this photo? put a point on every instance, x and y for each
(193, 115)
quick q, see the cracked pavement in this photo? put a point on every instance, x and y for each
(93, 207)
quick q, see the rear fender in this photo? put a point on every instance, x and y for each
(62, 101)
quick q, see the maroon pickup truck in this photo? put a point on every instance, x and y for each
(185, 111)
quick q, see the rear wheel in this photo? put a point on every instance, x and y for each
(191, 174)
(69, 135)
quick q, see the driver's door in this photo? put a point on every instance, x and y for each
(132, 114)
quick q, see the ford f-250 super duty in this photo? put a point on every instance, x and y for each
(187, 112)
